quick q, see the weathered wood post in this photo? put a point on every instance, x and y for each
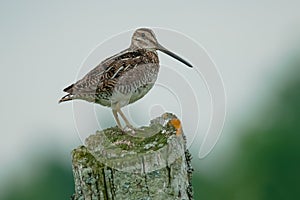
(152, 164)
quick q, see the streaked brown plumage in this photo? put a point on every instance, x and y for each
(123, 78)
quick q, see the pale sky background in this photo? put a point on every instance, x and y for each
(43, 45)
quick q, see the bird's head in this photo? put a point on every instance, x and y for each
(144, 38)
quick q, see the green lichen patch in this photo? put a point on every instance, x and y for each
(83, 156)
(143, 140)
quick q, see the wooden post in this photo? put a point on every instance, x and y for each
(152, 164)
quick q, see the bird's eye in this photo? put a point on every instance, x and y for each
(143, 34)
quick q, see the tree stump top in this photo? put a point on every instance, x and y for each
(148, 149)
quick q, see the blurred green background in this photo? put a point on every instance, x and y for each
(256, 46)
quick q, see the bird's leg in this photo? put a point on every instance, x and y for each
(118, 109)
(115, 113)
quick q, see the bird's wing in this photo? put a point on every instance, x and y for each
(104, 76)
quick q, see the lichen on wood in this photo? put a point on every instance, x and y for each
(151, 164)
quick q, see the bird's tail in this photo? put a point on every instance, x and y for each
(67, 97)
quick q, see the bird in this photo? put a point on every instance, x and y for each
(123, 78)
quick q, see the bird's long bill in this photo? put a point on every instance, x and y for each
(166, 51)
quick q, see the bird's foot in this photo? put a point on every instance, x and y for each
(129, 129)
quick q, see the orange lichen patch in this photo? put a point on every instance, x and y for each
(177, 125)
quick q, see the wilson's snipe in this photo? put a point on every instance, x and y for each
(123, 78)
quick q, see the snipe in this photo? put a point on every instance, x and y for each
(123, 78)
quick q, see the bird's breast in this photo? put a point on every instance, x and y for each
(132, 78)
